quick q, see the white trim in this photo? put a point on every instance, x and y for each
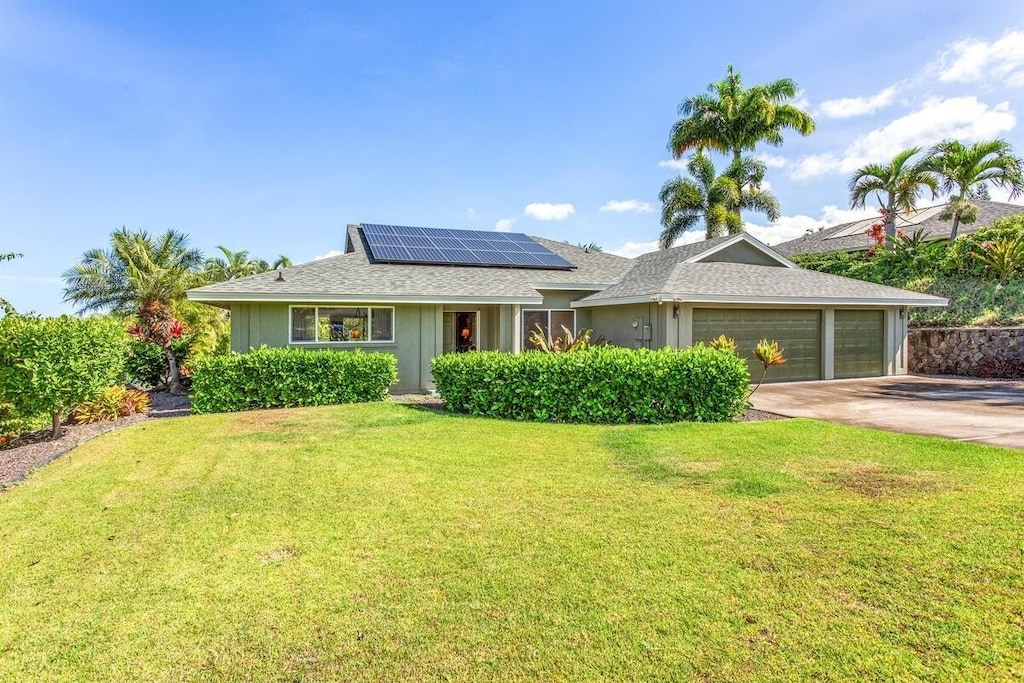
(752, 241)
(343, 344)
(253, 297)
(783, 300)
(570, 286)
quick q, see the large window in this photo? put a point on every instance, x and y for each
(338, 324)
(551, 321)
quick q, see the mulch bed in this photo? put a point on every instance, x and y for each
(29, 451)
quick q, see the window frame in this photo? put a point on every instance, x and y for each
(523, 337)
(316, 326)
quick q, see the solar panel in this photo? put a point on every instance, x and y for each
(400, 244)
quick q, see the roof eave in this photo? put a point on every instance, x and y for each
(760, 300)
(221, 298)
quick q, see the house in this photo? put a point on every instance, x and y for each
(854, 236)
(421, 292)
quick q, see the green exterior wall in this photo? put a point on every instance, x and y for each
(616, 324)
(742, 252)
(417, 335)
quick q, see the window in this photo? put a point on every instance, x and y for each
(551, 321)
(337, 324)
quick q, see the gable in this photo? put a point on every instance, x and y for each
(742, 252)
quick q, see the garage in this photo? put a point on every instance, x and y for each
(859, 343)
(798, 332)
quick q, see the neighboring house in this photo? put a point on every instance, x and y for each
(854, 236)
(412, 292)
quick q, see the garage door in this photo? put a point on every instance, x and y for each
(797, 331)
(859, 344)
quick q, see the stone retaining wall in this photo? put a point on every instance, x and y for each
(959, 350)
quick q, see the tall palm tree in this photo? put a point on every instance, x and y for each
(141, 275)
(234, 264)
(717, 199)
(5, 305)
(965, 172)
(731, 119)
(282, 262)
(901, 181)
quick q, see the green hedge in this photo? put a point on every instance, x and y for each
(280, 378)
(599, 385)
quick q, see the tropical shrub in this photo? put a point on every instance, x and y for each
(280, 378)
(1002, 257)
(960, 258)
(146, 365)
(972, 301)
(111, 404)
(545, 342)
(598, 385)
(51, 365)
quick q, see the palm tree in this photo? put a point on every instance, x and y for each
(717, 199)
(282, 262)
(729, 118)
(965, 172)
(5, 305)
(901, 181)
(141, 275)
(234, 264)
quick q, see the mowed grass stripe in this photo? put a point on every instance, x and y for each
(383, 542)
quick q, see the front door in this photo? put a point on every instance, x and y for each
(461, 331)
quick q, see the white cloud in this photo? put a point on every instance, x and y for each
(782, 230)
(472, 214)
(972, 60)
(634, 249)
(627, 205)
(546, 211)
(771, 160)
(848, 107)
(504, 224)
(675, 164)
(963, 118)
(332, 252)
(791, 227)
(801, 101)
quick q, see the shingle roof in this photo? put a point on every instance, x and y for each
(353, 276)
(853, 237)
(666, 275)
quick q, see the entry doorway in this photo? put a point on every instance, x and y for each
(461, 331)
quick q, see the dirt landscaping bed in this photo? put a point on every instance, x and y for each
(29, 451)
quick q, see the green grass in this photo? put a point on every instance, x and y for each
(382, 542)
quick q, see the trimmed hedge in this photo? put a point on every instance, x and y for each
(283, 378)
(599, 385)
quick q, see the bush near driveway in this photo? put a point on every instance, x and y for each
(282, 378)
(599, 385)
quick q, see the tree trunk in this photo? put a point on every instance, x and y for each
(57, 431)
(890, 224)
(956, 226)
(172, 365)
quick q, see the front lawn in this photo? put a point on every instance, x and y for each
(384, 542)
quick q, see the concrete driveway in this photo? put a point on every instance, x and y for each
(965, 410)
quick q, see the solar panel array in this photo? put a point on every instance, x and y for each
(400, 244)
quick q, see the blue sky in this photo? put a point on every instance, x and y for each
(269, 126)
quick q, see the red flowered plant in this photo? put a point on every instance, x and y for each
(175, 329)
(877, 231)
